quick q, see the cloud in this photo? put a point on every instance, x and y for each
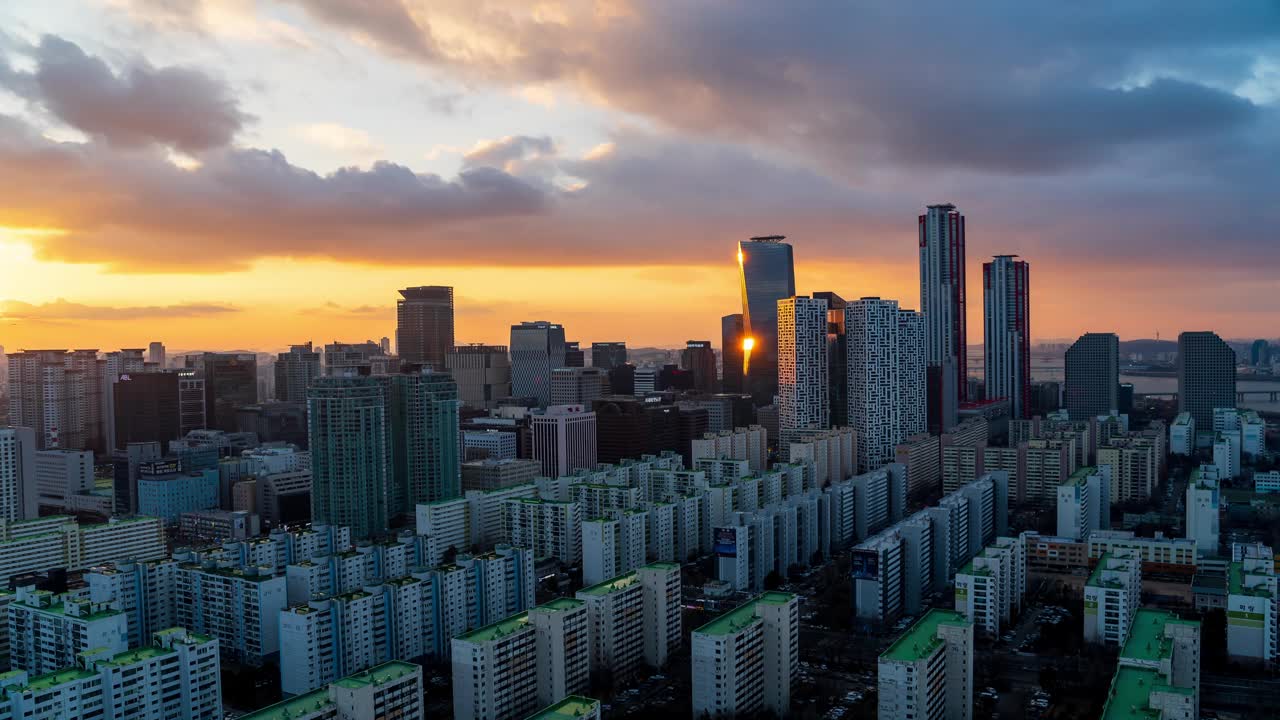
(508, 153)
(62, 310)
(342, 139)
(179, 107)
(334, 309)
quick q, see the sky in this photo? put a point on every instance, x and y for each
(221, 174)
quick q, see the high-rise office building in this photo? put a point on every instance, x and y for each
(295, 371)
(837, 359)
(349, 433)
(191, 397)
(424, 325)
(699, 359)
(608, 355)
(886, 378)
(111, 368)
(339, 355)
(423, 430)
(155, 355)
(578, 385)
(1007, 338)
(803, 405)
(768, 275)
(1206, 376)
(942, 302)
(731, 337)
(573, 354)
(564, 439)
(1093, 376)
(537, 348)
(483, 374)
(147, 408)
(230, 382)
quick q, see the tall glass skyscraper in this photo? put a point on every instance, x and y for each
(1092, 376)
(537, 348)
(768, 275)
(1206, 376)
(424, 324)
(942, 302)
(1007, 338)
(424, 439)
(731, 353)
(350, 439)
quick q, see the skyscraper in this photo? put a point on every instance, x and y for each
(351, 469)
(423, 414)
(837, 359)
(886, 377)
(48, 395)
(768, 275)
(537, 348)
(19, 493)
(339, 355)
(564, 439)
(147, 409)
(698, 358)
(731, 337)
(608, 355)
(155, 354)
(1259, 353)
(295, 371)
(803, 405)
(942, 302)
(1093, 376)
(424, 325)
(483, 374)
(573, 354)
(230, 382)
(1007, 340)
(1206, 375)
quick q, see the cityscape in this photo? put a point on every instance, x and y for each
(247, 472)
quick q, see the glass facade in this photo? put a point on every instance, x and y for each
(768, 275)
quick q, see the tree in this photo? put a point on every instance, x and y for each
(773, 580)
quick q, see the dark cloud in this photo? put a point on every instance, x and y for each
(61, 310)
(179, 107)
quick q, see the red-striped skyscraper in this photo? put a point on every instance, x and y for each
(1007, 338)
(942, 302)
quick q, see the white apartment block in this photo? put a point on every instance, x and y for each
(1266, 482)
(446, 524)
(613, 545)
(746, 660)
(1084, 502)
(886, 378)
(330, 638)
(616, 613)
(1159, 666)
(144, 591)
(1111, 597)
(58, 541)
(833, 454)
(662, 611)
(390, 690)
(749, 443)
(1226, 454)
(1253, 600)
(928, 672)
(176, 677)
(921, 455)
(240, 606)
(18, 478)
(564, 439)
(1182, 435)
(48, 632)
(509, 669)
(488, 512)
(550, 529)
(803, 405)
(989, 589)
(1203, 511)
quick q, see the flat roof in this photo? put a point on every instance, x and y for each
(137, 655)
(56, 678)
(499, 629)
(622, 582)
(303, 704)
(1236, 586)
(663, 565)
(921, 639)
(1079, 476)
(560, 604)
(571, 707)
(384, 673)
(1146, 639)
(1130, 695)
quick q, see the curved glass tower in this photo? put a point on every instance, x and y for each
(768, 275)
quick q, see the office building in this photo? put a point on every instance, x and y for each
(339, 357)
(175, 677)
(746, 660)
(700, 359)
(1206, 376)
(489, 444)
(63, 480)
(147, 408)
(564, 439)
(732, 336)
(886, 378)
(156, 355)
(1092, 376)
(1203, 507)
(19, 482)
(230, 382)
(390, 690)
(295, 371)
(1007, 337)
(767, 274)
(166, 491)
(1084, 502)
(191, 398)
(1111, 597)
(240, 606)
(578, 385)
(351, 466)
(942, 302)
(492, 474)
(1182, 435)
(423, 414)
(506, 670)
(424, 325)
(928, 672)
(803, 404)
(573, 354)
(608, 355)
(483, 374)
(537, 348)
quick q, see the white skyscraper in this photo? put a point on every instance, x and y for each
(564, 439)
(18, 487)
(802, 368)
(886, 378)
(1203, 509)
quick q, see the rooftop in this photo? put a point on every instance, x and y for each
(743, 615)
(502, 628)
(662, 565)
(293, 707)
(137, 655)
(1146, 636)
(54, 679)
(621, 582)
(1080, 476)
(384, 673)
(1130, 694)
(1236, 586)
(567, 709)
(559, 605)
(922, 638)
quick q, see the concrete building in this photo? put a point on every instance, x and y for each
(803, 405)
(746, 660)
(1226, 455)
(1092, 385)
(47, 632)
(613, 545)
(608, 355)
(61, 477)
(390, 690)
(989, 588)
(537, 348)
(1206, 376)
(483, 374)
(59, 541)
(1158, 674)
(1135, 467)
(886, 378)
(166, 491)
(424, 325)
(1182, 435)
(498, 474)
(564, 439)
(20, 486)
(1203, 510)
(928, 672)
(489, 444)
(295, 371)
(1252, 597)
(578, 385)
(744, 443)
(942, 302)
(1266, 482)
(921, 455)
(423, 420)
(238, 606)
(351, 456)
(1084, 502)
(549, 528)
(1007, 338)
(700, 359)
(1111, 597)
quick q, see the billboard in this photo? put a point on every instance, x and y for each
(726, 542)
(865, 565)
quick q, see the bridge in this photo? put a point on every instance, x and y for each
(1241, 396)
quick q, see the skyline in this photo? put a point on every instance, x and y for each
(539, 166)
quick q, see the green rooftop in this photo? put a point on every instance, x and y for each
(560, 605)
(567, 709)
(1079, 476)
(743, 615)
(922, 638)
(622, 582)
(137, 655)
(1130, 694)
(969, 569)
(497, 630)
(1096, 579)
(293, 707)
(384, 673)
(1146, 636)
(51, 680)
(663, 565)
(1236, 586)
